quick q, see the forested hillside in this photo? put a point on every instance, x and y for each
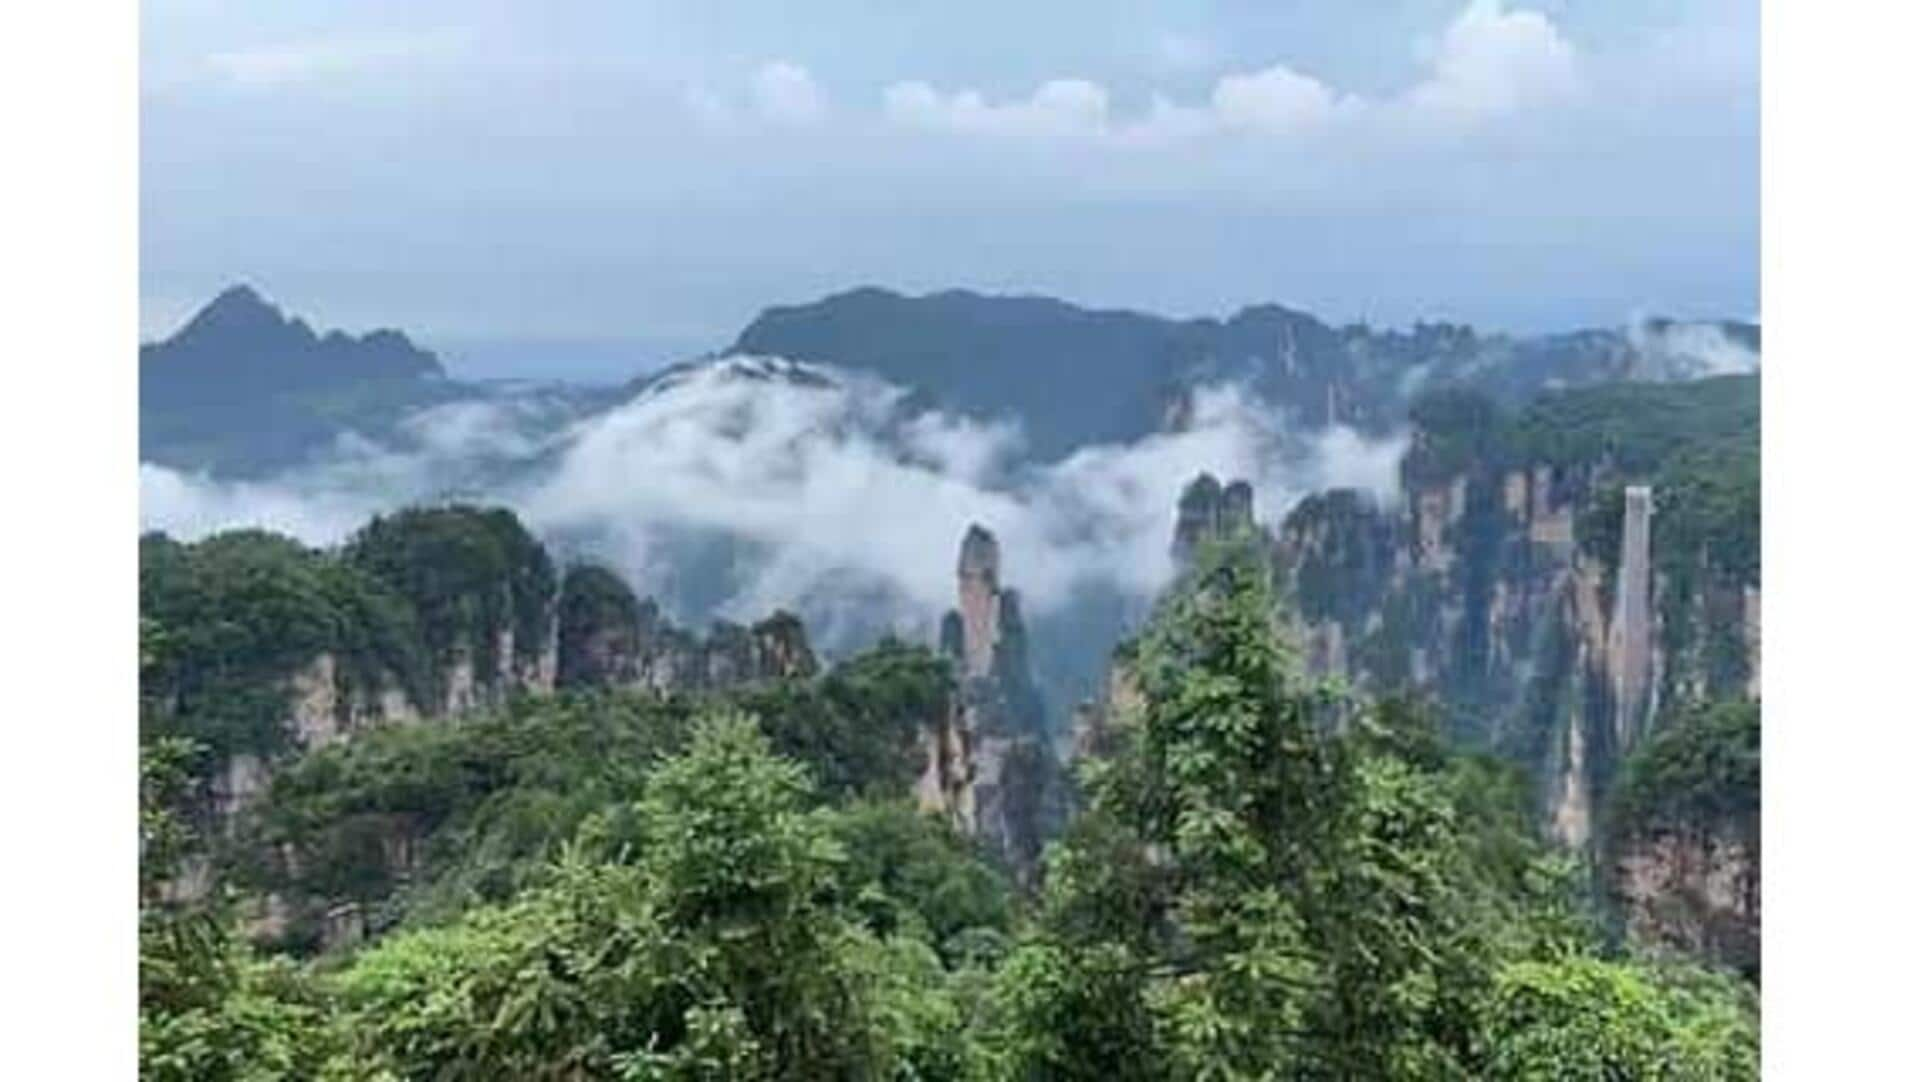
(732, 884)
(1462, 784)
(1076, 376)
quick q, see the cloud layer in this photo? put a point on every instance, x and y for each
(1489, 62)
(826, 492)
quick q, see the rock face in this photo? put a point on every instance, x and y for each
(609, 639)
(324, 708)
(990, 765)
(1477, 593)
(1694, 890)
(978, 637)
(1630, 654)
(595, 636)
(1208, 512)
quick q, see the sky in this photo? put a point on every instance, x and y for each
(587, 189)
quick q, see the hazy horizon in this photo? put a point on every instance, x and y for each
(618, 357)
(481, 178)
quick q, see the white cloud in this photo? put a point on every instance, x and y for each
(304, 61)
(844, 503)
(1060, 107)
(1492, 61)
(1278, 99)
(786, 93)
(1489, 61)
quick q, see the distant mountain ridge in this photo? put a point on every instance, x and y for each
(1077, 375)
(243, 389)
(239, 343)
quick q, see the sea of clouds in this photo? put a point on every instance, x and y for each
(748, 484)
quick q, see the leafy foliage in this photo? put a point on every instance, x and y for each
(713, 954)
(234, 616)
(1262, 889)
(910, 872)
(1634, 428)
(419, 822)
(471, 810)
(209, 1008)
(1582, 1018)
(470, 574)
(1703, 767)
(859, 725)
(1270, 879)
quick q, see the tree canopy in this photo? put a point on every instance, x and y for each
(1269, 879)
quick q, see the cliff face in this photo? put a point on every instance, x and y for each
(990, 766)
(269, 649)
(1477, 594)
(1694, 890)
(1680, 858)
(610, 639)
(1209, 511)
(1554, 597)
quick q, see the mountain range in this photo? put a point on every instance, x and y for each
(243, 389)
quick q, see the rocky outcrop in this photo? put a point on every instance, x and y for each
(945, 786)
(990, 766)
(1694, 890)
(324, 706)
(773, 649)
(1630, 657)
(1478, 593)
(1210, 512)
(977, 638)
(610, 639)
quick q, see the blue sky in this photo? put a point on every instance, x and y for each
(589, 188)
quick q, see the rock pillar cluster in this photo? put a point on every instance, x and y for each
(990, 765)
(1210, 511)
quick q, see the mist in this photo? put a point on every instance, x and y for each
(1681, 351)
(744, 485)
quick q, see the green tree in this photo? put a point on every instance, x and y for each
(1585, 1019)
(700, 940)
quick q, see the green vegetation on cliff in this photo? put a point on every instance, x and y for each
(595, 604)
(1252, 891)
(1631, 428)
(1701, 768)
(233, 618)
(237, 616)
(471, 574)
(415, 822)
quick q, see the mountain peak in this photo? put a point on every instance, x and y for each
(241, 348)
(239, 309)
(239, 295)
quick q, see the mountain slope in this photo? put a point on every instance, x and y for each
(1076, 376)
(242, 388)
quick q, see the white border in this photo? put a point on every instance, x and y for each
(68, 231)
(1842, 544)
(1840, 539)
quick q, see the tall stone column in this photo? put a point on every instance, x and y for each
(1630, 639)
